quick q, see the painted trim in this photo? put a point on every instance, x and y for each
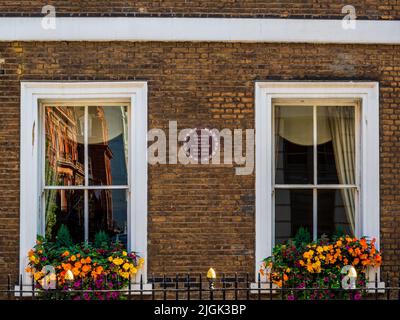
(368, 93)
(30, 181)
(199, 29)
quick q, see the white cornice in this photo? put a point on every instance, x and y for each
(200, 29)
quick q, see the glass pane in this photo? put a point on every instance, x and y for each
(64, 159)
(294, 145)
(293, 209)
(64, 207)
(336, 144)
(108, 145)
(108, 212)
(336, 212)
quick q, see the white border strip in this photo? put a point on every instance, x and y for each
(199, 29)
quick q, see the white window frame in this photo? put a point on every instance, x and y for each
(368, 94)
(32, 93)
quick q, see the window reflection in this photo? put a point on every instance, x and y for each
(64, 144)
(108, 212)
(64, 207)
(107, 138)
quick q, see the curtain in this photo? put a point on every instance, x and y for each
(295, 124)
(341, 123)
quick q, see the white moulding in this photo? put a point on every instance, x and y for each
(199, 29)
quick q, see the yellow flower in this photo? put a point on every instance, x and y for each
(141, 262)
(110, 259)
(133, 270)
(38, 275)
(126, 266)
(308, 254)
(73, 258)
(320, 249)
(118, 261)
(124, 253)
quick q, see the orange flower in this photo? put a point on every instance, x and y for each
(75, 271)
(65, 254)
(285, 277)
(73, 258)
(363, 243)
(66, 266)
(366, 262)
(86, 268)
(88, 260)
(99, 269)
(356, 261)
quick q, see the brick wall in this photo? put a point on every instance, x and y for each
(366, 9)
(198, 217)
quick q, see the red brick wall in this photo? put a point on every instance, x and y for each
(198, 216)
(366, 9)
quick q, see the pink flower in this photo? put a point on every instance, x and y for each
(357, 296)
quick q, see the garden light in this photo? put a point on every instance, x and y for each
(211, 275)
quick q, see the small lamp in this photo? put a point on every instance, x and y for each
(69, 276)
(211, 276)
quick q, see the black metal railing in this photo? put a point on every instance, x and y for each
(198, 287)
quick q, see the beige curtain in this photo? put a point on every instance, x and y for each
(341, 123)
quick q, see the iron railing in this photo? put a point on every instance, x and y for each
(198, 287)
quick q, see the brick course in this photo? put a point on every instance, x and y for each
(365, 9)
(199, 216)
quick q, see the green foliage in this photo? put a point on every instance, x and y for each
(101, 240)
(64, 238)
(302, 237)
(339, 233)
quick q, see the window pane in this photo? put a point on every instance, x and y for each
(336, 144)
(64, 207)
(336, 212)
(293, 209)
(294, 145)
(108, 212)
(108, 145)
(64, 159)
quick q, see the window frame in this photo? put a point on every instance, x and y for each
(32, 93)
(368, 94)
(315, 186)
